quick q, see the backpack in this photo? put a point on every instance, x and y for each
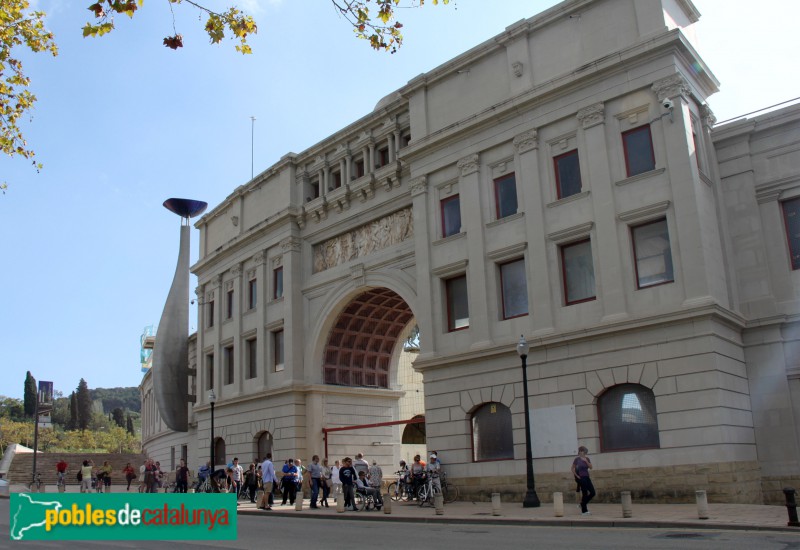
(80, 476)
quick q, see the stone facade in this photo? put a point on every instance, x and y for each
(312, 275)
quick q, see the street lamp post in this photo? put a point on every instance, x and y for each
(531, 499)
(212, 398)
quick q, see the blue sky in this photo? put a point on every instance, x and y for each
(123, 123)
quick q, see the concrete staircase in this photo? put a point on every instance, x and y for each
(21, 468)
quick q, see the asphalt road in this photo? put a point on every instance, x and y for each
(279, 533)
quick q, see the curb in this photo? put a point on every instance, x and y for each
(533, 522)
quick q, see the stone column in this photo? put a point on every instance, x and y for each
(608, 271)
(371, 165)
(348, 171)
(261, 272)
(344, 170)
(529, 197)
(422, 252)
(202, 376)
(293, 334)
(216, 294)
(472, 222)
(238, 347)
(395, 146)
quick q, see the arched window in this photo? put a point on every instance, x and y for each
(414, 434)
(219, 452)
(492, 438)
(628, 418)
(263, 445)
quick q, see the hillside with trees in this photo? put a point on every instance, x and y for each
(86, 420)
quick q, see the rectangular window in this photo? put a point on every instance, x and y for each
(514, 286)
(577, 269)
(457, 304)
(653, 254)
(210, 311)
(336, 180)
(227, 356)
(251, 351)
(359, 168)
(383, 157)
(638, 146)
(505, 193)
(229, 304)
(210, 371)
(568, 174)
(791, 219)
(405, 140)
(252, 294)
(277, 283)
(698, 152)
(313, 189)
(451, 216)
(277, 347)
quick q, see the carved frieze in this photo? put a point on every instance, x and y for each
(672, 86)
(468, 165)
(419, 185)
(526, 142)
(291, 244)
(362, 241)
(236, 270)
(592, 115)
(707, 115)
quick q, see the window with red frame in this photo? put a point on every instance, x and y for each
(277, 283)
(638, 147)
(568, 174)
(227, 357)
(451, 216)
(653, 254)
(505, 194)
(577, 269)
(457, 303)
(252, 357)
(514, 288)
(252, 294)
(277, 349)
(791, 220)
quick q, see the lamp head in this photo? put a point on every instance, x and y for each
(212, 397)
(522, 347)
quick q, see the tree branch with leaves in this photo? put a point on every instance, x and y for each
(371, 20)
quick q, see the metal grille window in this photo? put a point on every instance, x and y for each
(492, 436)
(628, 418)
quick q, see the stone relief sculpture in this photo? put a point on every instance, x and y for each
(362, 241)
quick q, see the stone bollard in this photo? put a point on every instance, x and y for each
(791, 506)
(298, 503)
(339, 504)
(495, 504)
(387, 504)
(627, 507)
(558, 504)
(438, 503)
(702, 504)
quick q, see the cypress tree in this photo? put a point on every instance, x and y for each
(84, 405)
(130, 426)
(30, 395)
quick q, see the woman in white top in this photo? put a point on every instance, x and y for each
(337, 483)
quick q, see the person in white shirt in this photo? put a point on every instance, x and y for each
(268, 478)
(360, 464)
(337, 483)
(433, 469)
(237, 475)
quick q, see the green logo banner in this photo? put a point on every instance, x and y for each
(123, 516)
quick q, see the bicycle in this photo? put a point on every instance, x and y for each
(449, 491)
(400, 489)
(37, 483)
(61, 484)
(427, 491)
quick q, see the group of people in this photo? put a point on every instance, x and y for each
(420, 471)
(89, 476)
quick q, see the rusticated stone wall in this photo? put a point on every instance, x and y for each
(729, 482)
(773, 488)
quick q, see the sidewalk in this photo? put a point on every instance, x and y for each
(682, 516)
(753, 517)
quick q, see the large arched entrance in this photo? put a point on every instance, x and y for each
(363, 339)
(365, 350)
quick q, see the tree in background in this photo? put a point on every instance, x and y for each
(73, 411)
(12, 408)
(84, 405)
(131, 431)
(118, 416)
(29, 397)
